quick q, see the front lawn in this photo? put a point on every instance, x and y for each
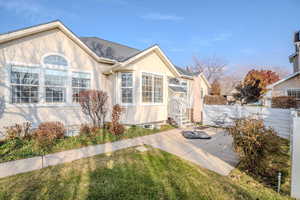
(130, 174)
(20, 148)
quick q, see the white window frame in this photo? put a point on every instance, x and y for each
(88, 88)
(296, 89)
(42, 97)
(132, 87)
(153, 74)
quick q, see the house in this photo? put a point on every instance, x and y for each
(44, 67)
(290, 85)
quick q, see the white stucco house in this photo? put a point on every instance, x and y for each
(44, 67)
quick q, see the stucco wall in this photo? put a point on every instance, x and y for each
(140, 113)
(29, 51)
(198, 100)
(280, 89)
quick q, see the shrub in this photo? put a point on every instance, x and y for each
(284, 102)
(107, 125)
(254, 143)
(21, 131)
(47, 132)
(94, 104)
(84, 129)
(116, 128)
(215, 100)
(57, 128)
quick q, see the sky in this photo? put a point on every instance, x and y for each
(239, 32)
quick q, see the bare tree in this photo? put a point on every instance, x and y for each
(94, 104)
(213, 67)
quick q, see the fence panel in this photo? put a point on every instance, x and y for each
(223, 115)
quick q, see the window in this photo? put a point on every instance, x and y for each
(55, 86)
(80, 82)
(158, 89)
(24, 84)
(294, 93)
(152, 88)
(126, 87)
(55, 60)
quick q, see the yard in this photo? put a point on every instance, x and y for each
(130, 174)
(18, 148)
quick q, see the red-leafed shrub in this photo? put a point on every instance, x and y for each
(21, 131)
(88, 130)
(284, 102)
(116, 128)
(215, 100)
(47, 132)
(57, 128)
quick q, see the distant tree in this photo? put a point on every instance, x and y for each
(254, 85)
(265, 78)
(213, 67)
(215, 88)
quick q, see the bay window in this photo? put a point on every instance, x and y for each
(80, 82)
(24, 84)
(152, 88)
(55, 86)
(127, 87)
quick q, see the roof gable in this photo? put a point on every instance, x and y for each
(49, 26)
(283, 80)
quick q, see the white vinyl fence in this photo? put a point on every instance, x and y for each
(295, 149)
(223, 115)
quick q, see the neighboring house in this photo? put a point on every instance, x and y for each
(290, 85)
(44, 67)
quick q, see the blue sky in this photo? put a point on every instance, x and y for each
(241, 32)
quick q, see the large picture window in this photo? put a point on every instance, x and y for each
(24, 84)
(152, 88)
(80, 82)
(55, 86)
(51, 82)
(126, 87)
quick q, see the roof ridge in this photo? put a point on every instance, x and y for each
(113, 42)
(28, 27)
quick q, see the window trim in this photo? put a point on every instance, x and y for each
(71, 92)
(119, 85)
(141, 89)
(297, 89)
(42, 100)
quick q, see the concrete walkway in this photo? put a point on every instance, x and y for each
(215, 154)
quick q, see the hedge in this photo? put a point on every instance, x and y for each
(215, 100)
(284, 102)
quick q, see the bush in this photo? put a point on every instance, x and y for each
(215, 100)
(255, 143)
(87, 130)
(84, 129)
(21, 131)
(47, 132)
(284, 102)
(116, 128)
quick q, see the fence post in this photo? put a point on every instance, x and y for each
(295, 149)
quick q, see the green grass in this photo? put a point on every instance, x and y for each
(129, 174)
(19, 148)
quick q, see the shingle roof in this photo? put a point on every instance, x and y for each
(118, 52)
(108, 49)
(184, 72)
